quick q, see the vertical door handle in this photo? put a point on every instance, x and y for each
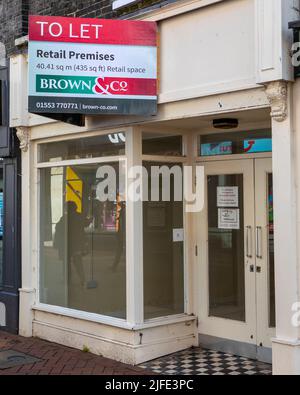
(249, 242)
(259, 254)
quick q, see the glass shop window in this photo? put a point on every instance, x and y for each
(157, 144)
(163, 248)
(82, 247)
(88, 147)
(235, 143)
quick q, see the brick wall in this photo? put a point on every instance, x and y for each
(11, 25)
(76, 8)
(14, 13)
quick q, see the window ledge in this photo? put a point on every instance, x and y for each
(111, 321)
(175, 319)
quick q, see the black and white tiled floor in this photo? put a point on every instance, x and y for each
(206, 362)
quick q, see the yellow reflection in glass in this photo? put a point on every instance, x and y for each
(74, 186)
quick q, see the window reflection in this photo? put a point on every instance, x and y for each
(88, 147)
(157, 144)
(82, 242)
(226, 251)
(236, 143)
(163, 254)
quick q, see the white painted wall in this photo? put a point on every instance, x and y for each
(208, 51)
(225, 46)
(274, 38)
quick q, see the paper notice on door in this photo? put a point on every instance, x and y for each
(229, 219)
(228, 196)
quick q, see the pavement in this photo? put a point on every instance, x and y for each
(60, 360)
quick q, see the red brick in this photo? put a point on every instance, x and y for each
(61, 360)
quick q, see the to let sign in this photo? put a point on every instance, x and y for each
(92, 66)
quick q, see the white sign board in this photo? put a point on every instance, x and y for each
(229, 219)
(178, 235)
(228, 197)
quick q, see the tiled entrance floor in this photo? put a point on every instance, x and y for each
(206, 362)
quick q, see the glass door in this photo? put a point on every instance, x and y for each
(265, 281)
(227, 268)
(237, 255)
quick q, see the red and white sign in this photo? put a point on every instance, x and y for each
(92, 66)
(92, 31)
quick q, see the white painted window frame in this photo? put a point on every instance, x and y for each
(117, 4)
(134, 234)
(170, 10)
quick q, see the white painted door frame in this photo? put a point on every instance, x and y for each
(263, 167)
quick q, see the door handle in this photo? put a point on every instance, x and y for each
(259, 254)
(249, 242)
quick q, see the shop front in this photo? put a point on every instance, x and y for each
(137, 279)
(236, 235)
(113, 265)
(120, 270)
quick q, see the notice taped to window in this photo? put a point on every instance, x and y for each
(228, 197)
(229, 218)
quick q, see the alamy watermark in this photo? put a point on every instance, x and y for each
(296, 54)
(164, 183)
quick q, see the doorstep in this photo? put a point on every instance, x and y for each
(199, 362)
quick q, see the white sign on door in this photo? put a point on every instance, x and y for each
(178, 235)
(228, 197)
(229, 219)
